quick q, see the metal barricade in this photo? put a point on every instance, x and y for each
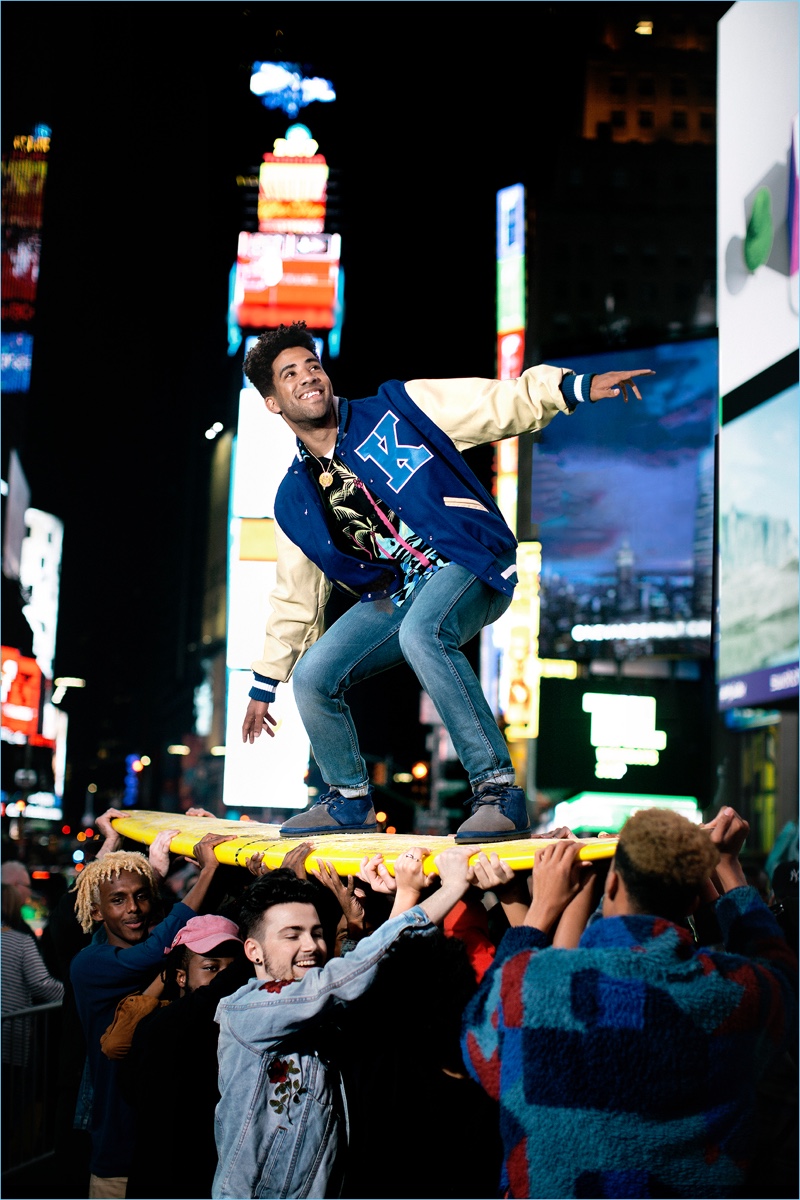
(30, 1039)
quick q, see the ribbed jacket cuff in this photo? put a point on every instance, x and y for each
(263, 689)
(576, 389)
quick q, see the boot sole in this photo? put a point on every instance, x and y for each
(511, 836)
(321, 832)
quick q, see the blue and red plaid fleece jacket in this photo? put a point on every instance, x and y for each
(627, 1067)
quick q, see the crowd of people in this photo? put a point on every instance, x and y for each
(625, 1027)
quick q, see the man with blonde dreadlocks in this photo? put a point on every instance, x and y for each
(121, 890)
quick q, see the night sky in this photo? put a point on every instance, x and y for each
(152, 119)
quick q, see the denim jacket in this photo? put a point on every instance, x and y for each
(281, 1120)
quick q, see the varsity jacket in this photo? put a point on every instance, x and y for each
(404, 444)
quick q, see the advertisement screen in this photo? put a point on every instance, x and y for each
(759, 496)
(288, 277)
(757, 297)
(16, 354)
(646, 736)
(622, 499)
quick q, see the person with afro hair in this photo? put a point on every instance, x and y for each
(624, 1056)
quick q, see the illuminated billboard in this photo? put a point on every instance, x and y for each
(21, 696)
(510, 281)
(759, 595)
(286, 277)
(622, 496)
(292, 185)
(644, 735)
(757, 305)
(757, 250)
(270, 773)
(24, 177)
(16, 354)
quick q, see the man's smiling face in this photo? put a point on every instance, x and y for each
(287, 942)
(301, 391)
(126, 902)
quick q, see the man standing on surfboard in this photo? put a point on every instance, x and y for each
(380, 503)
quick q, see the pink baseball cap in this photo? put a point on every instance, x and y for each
(202, 934)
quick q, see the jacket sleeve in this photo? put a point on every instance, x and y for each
(297, 610)
(473, 412)
(484, 1024)
(267, 1013)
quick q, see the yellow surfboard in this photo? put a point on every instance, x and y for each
(345, 850)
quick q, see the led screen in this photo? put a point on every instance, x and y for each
(622, 499)
(757, 659)
(647, 736)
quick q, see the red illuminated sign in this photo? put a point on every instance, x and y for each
(21, 693)
(510, 354)
(282, 278)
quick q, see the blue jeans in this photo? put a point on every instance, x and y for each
(442, 613)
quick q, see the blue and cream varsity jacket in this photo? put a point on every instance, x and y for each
(405, 445)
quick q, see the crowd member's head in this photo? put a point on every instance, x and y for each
(120, 890)
(16, 874)
(204, 946)
(660, 864)
(259, 359)
(12, 910)
(284, 937)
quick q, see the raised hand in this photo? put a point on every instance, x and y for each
(349, 896)
(158, 854)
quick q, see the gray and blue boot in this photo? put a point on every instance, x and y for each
(334, 813)
(499, 814)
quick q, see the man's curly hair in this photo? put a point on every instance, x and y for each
(260, 357)
(663, 860)
(109, 867)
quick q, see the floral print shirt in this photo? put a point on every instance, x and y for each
(364, 526)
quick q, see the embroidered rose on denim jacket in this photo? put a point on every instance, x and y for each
(277, 1071)
(287, 1089)
(275, 985)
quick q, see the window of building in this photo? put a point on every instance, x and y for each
(678, 86)
(619, 178)
(707, 87)
(647, 85)
(618, 85)
(707, 122)
(619, 118)
(646, 118)
(680, 119)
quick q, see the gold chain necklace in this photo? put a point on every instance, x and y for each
(325, 478)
